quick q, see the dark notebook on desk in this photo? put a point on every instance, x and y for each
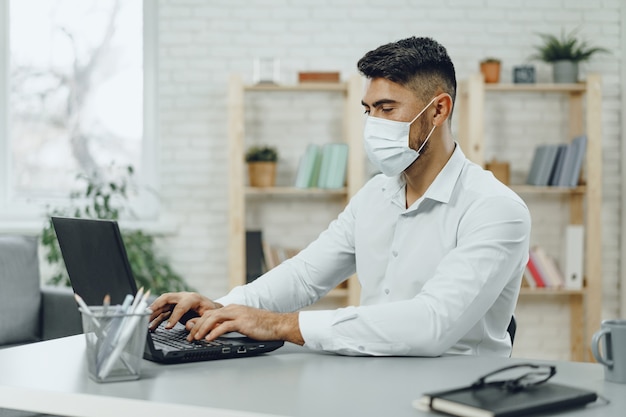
(97, 264)
(493, 401)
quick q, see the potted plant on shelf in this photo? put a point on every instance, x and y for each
(261, 162)
(565, 53)
(490, 68)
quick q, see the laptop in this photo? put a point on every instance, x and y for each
(97, 264)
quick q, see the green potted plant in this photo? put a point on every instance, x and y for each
(490, 68)
(108, 199)
(261, 162)
(565, 53)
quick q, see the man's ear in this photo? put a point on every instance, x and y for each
(443, 108)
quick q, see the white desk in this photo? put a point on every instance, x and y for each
(51, 377)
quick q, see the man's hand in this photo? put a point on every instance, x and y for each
(252, 322)
(173, 306)
(214, 319)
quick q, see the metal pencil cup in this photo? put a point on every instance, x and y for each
(115, 343)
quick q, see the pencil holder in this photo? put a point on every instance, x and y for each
(115, 343)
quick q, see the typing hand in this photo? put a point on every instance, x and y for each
(178, 306)
(253, 322)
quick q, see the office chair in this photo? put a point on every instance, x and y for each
(512, 329)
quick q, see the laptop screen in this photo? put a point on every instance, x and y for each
(95, 258)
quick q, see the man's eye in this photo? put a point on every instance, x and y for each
(386, 109)
(366, 111)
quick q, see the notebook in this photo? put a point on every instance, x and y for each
(97, 264)
(493, 401)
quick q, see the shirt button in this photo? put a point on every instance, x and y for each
(361, 348)
(386, 290)
(394, 253)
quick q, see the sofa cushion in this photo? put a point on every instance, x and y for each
(20, 297)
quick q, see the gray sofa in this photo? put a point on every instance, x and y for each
(30, 312)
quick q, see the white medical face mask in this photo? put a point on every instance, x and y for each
(387, 143)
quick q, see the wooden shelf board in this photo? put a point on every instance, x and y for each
(545, 88)
(298, 87)
(294, 191)
(534, 189)
(550, 291)
(338, 293)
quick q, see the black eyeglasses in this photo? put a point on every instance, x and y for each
(532, 375)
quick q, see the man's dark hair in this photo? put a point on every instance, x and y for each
(420, 64)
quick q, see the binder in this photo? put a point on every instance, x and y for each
(574, 256)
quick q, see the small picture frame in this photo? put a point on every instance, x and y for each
(524, 74)
(266, 70)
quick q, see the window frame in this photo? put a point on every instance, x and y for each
(23, 216)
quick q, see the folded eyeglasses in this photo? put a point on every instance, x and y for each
(533, 375)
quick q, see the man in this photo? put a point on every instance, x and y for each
(438, 244)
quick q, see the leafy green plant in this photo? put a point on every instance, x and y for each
(567, 47)
(100, 199)
(261, 154)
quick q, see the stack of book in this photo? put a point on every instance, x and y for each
(323, 166)
(542, 270)
(558, 165)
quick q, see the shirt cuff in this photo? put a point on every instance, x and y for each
(235, 296)
(315, 327)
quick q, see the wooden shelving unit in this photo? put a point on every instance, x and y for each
(584, 201)
(239, 192)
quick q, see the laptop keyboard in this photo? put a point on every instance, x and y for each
(177, 338)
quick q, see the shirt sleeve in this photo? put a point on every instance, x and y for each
(302, 280)
(481, 274)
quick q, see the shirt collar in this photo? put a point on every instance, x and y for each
(440, 190)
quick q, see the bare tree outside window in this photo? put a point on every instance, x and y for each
(75, 91)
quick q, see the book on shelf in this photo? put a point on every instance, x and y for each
(549, 267)
(494, 401)
(574, 256)
(543, 270)
(309, 167)
(255, 262)
(323, 166)
(527, 279)
(573, 166)
(338, 165)
(537, 161)
(534, 271)
(275, 255)
(542, 164)
(558, 165)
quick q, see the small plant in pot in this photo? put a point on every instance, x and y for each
(262, 166)
(565, 53)
(109, 198)
(490, 68)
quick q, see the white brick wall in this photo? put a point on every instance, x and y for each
(202, 42)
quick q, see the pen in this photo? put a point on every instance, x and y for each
(124, 333)
(82, 304)
(105, 304)
(113, 334)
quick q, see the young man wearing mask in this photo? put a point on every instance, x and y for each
(438, 244)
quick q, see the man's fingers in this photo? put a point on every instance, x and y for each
(201, 327)
(177, 313)
(156, 321)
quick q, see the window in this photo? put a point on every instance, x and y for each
(74, 84)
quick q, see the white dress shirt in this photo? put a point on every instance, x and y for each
(442, 276)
